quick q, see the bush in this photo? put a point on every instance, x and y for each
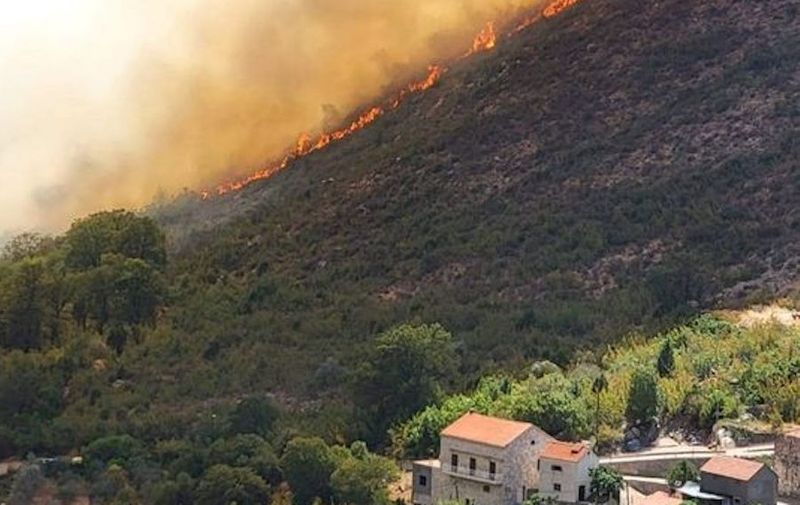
(308, 464)
(26, 483)
(644, 398)
(681, 473)
(253, 415)
(223, 484)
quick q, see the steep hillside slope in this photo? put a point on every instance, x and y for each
(619, 165)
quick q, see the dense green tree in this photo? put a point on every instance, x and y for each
(27, 245)
(249, 451)
(31, 394)
(225, 485)
(606, 483)
(254, 415)
(644, 400)
(681, 473)
(120, 290)
(113, 449)
(308, 464)
(407, 369)
(553, 403)
(181, 456)
(599, 384)
(113, 487)
(666, 359)
(137, 290)
(115, 232)
(714, 401)
(174, 492)
(363, 480)
(25, 306)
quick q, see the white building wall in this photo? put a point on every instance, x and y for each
(570, 478)
(515, 470)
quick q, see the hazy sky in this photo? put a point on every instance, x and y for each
(64, 65)
(105, 103)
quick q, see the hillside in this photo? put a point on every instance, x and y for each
(600, 177)
(615, 167)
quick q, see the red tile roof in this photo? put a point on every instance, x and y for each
(733, 468)
(660, 498)
(486, 430)
(564, 451)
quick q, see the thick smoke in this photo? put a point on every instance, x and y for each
(133, 102)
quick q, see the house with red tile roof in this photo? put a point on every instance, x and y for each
(564, 471)
(660, 498)
(726, 480)
(482, 460)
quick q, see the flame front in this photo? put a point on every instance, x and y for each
(306, 144)
(486, 40)
(558, 7)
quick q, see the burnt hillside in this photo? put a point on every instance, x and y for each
(618, 166)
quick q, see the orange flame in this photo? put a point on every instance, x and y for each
(306, 145)
(557, 7)
(486, 40)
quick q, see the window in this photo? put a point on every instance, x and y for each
(556, 468)
(492, 469)
(423, 480)
(472, 466)
(454, 462)
(556, 487)
(487, 489)
(538, 464)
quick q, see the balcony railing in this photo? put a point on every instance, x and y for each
(473, 473)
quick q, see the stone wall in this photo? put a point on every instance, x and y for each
(787, 464)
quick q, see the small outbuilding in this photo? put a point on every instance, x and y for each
(737, 481)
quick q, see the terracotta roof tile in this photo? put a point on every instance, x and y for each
(734, 468)
(486, 430)
(564, 451)
(660, 498)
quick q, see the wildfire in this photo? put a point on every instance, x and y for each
(557, 7)
(486, 40)
(306, 144)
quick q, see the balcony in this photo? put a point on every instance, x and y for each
(473, 474)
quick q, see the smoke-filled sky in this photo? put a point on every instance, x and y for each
(107, 103)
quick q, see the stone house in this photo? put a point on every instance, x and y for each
(787, 464)
(482, 461)
(734, 481)
(564, 471)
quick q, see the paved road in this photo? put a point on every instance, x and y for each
(689, 452)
